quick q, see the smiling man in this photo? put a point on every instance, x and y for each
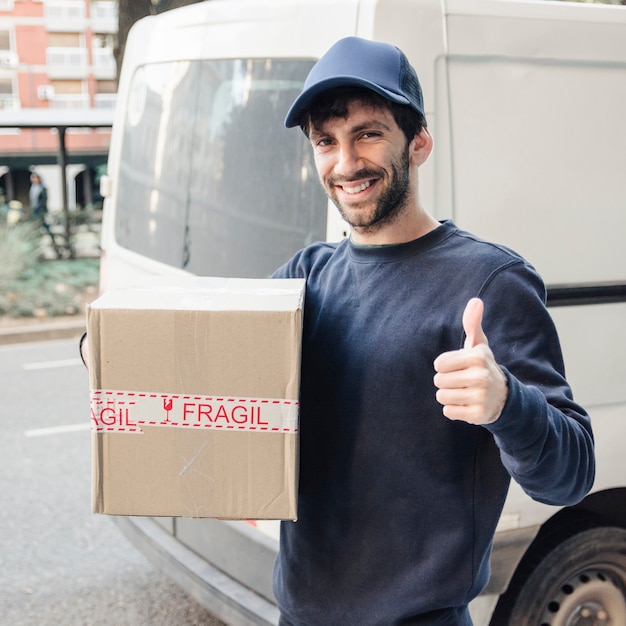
(431, 374)
(365, 167)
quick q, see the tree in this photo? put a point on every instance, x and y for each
(129, 11)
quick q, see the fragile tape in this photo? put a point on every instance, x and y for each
(129, 411)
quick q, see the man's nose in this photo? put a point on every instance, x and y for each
(348, 159)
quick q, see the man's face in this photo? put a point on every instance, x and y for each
(363, 163)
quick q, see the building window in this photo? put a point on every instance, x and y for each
(69, 94)
(105, 94)
(6, 87)
(104, 17)
(104, 63)
(64, 40)
(65, 16)
(101, 40)
(64, 9)
(104, 10)
(8, 58)
(8, 100)
(5, 40)
(68, 58)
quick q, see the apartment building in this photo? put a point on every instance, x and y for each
(55, 55)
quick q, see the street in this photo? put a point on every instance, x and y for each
(59, 563)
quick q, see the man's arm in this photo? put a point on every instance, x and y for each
(546, 443)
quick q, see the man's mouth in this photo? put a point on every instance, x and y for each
(356, 188)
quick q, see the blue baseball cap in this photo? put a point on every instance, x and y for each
(353, 61)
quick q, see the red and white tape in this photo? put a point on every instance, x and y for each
(128, 411)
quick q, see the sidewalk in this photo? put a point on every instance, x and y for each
(35, 330)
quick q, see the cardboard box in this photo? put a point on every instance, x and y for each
(194, 398)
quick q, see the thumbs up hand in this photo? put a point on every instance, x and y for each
(470, 384)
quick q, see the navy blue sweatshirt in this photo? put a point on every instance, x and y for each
(397, 504)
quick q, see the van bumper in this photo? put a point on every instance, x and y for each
(238, 605)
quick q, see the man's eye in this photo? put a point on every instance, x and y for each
(323, 142)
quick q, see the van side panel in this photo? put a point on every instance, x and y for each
(537, 153)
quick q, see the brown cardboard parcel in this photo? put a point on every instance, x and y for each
(194, 398)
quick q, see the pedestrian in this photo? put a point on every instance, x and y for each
(38, 198)
(431, 374)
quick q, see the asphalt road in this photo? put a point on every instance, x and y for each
(59, 563)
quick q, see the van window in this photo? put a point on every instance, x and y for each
(210, 180)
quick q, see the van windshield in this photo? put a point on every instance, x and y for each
(210, 179)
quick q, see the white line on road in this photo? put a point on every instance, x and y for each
(57, 430)
(43, 365)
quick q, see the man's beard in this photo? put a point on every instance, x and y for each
(390, 204)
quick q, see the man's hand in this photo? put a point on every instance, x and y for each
(471, 386)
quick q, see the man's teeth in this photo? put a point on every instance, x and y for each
(361, 187)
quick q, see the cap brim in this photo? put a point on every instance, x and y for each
(302, 103)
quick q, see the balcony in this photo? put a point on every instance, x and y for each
(65, 16)
(105, 100)
(69, 101)
(67, 63)
(104, 16)
(9, 102)
(104, 67)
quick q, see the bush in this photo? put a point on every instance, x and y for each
(19, 249)
(33, 287)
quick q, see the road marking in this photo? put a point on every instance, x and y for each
(57, 430)
(44, 365)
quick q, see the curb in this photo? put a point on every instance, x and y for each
(45, 331)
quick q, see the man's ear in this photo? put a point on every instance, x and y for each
(420, 147)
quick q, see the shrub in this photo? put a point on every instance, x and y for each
(35, 287)
(19, 249)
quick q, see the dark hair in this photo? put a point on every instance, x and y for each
(334, 103)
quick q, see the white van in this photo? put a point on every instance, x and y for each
(526, 100)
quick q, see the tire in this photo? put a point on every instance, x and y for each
(581, 582)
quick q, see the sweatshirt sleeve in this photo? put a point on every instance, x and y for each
(545, 438)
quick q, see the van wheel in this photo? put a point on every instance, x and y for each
(581, 582)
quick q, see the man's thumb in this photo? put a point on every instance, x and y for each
(472, 323)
